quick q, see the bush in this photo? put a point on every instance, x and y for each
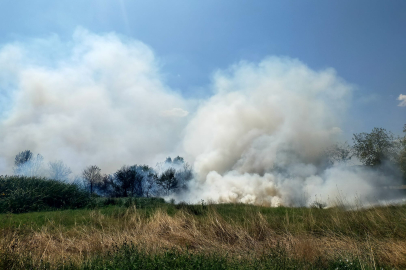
(19, 194)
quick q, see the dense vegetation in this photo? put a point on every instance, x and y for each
(21, 194)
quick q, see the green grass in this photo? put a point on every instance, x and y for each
(129, 256)
(132, 257)
(379, 222)
(74, 217)
(231, 226)
(386, 223)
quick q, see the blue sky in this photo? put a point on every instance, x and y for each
(364, 41)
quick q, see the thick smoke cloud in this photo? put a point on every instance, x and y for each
(101, 101)
(261, 138)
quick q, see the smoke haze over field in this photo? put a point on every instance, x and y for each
(260, 138)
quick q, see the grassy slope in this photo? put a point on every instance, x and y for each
(305, 237)
(379, 222)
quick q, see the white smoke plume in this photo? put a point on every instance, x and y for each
(100, 100)
(262, 137)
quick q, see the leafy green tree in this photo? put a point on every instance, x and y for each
(373, 148)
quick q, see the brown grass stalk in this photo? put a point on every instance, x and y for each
(211, 233)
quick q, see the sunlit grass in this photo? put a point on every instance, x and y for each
(229, 235)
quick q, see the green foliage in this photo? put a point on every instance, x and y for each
(375, 147)
(20, 194)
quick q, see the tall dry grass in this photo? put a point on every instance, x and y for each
(373, 236)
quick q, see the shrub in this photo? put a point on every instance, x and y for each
(19, 194)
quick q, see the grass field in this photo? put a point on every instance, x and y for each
(152, 234)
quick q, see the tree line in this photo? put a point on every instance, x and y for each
(378, 148)
(169, 177)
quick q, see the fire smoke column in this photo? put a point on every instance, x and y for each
(263, 132)
(93, 99)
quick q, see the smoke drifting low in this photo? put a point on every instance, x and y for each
(259, 139)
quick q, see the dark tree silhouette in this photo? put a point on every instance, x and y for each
(20, 159)
(92, 176)
(129, 181)
(167, 181)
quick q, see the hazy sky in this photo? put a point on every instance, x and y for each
(364, 41)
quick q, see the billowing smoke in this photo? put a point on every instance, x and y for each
(100, 99)
(261, 138)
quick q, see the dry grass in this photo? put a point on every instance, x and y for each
(342, 234)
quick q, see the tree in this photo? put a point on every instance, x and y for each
(178, 160)
(372, 149)
(27, 165)
(106, 186)
(22, 157)
(58, 170)
(92, 176)
(150, 181)
(339, 153)
(184, 175)
(129, 181)
(174, 175)
(167, 181)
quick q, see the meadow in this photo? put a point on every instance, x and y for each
(149, 233)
